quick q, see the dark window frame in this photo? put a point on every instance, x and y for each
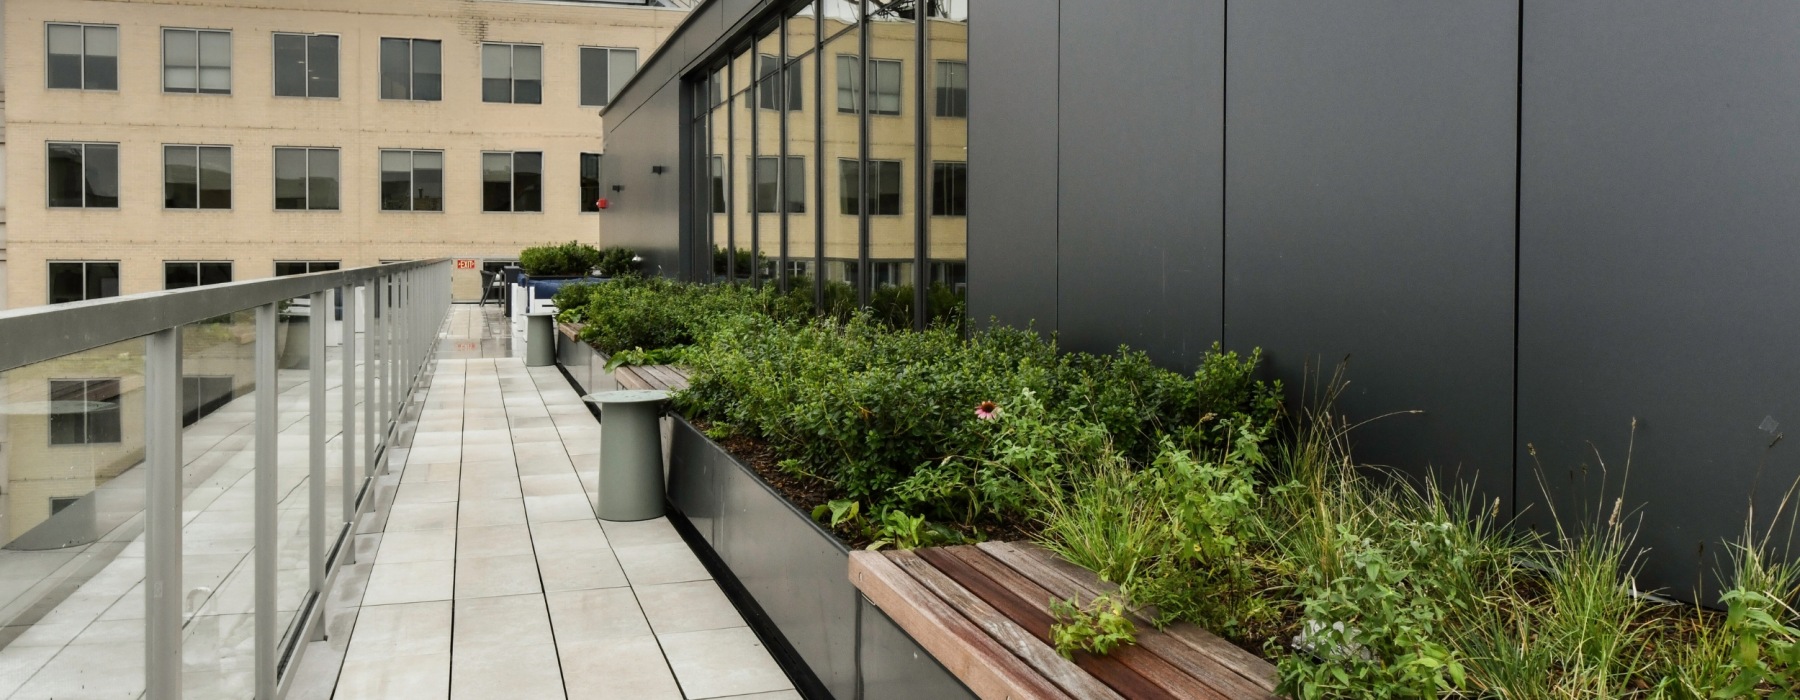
(306, 156)
(609, 89)
(200, 64)
(308, 78)
(200, 190)
(88, 282)
(795, 192)
(88, 193)
(590, 187)
(850, 198)
(950, 188)
(87, 389)
(952, 100)
(413, 196)
(412, 70)
(85, 58)
(515, 188)
(200, 269)
(512, 78)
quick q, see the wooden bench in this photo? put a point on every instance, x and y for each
(667, 377)
(983, 612)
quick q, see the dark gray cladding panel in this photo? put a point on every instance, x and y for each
(1012, 156)
(1660, 173)
(1141, 170)
(1369, 213)
(646, 215)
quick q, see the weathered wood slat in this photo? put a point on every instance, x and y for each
(670, 378)
(1144, 661)
(965, 650)
(1063, 672)
(1217, 663)
(1035, 618)
(628, 378)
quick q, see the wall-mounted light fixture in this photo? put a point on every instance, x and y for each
(656, 170)
(618, 188)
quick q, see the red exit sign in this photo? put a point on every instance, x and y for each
(466, 264)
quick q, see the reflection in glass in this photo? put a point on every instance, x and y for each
(840, 172)
(800, 247)
(947, 133)
(71, 490)
(889, 199)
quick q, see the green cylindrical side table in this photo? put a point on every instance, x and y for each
(631, 465)
(540, 339)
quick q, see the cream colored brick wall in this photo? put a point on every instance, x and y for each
(141, 118)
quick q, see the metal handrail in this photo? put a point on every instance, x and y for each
(41, 333)
(403, 306)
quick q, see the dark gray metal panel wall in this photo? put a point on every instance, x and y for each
(646, 214)
(1369, 202)
(894, 667)
(1140, 173)
(1660, 164)
(1012, 156)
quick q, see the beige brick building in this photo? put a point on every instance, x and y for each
(237, 107)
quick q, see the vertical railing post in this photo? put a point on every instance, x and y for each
(383, 295)
(268, 393)
(318, 318)
(162, 515)
(352, 483)
(368, 397)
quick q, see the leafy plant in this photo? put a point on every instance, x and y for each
(568, 259)
(1098, 627)
(841, 512)
(617, 261)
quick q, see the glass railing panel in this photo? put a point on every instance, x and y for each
(294, 335)
(218, 538)
(71, 519)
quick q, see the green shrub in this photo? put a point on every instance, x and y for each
(569, 259)
(617, 261)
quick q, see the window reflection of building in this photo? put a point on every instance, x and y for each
(893, 189)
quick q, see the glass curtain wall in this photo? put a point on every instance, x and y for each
(840, 139)
(833, 153)
(946, 115)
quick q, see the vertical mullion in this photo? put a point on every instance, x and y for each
(729, 168)
(864, 278)
(819, 211)
(369, 385)
(267, 404)
(315, 452)
(754, 97)
(162, 515)
(781, 160)
(347, 296)
(922, 151)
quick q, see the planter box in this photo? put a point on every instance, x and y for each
(795, 576)
(584, 364)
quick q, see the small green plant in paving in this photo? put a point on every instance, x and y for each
(1098, 627)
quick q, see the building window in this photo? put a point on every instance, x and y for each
(83, 175)
(83, 280)
(84, 411)
(718, 184)
(82, 56)
(884, 184)
(183, 274)
(306, 65)
(412, 180)
(768, 173)
(952, 89)
(949, 189)
(201, 395)
(60, 503)
(512, 181)
(512, 73)
(769, 90)
(411, 69)
(306, 178)
(849, 82)
(603, 72)
(284, 268)
(590, 182)
(196, 177)
(197, 60)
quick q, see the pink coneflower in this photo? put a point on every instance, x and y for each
(987, 410)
